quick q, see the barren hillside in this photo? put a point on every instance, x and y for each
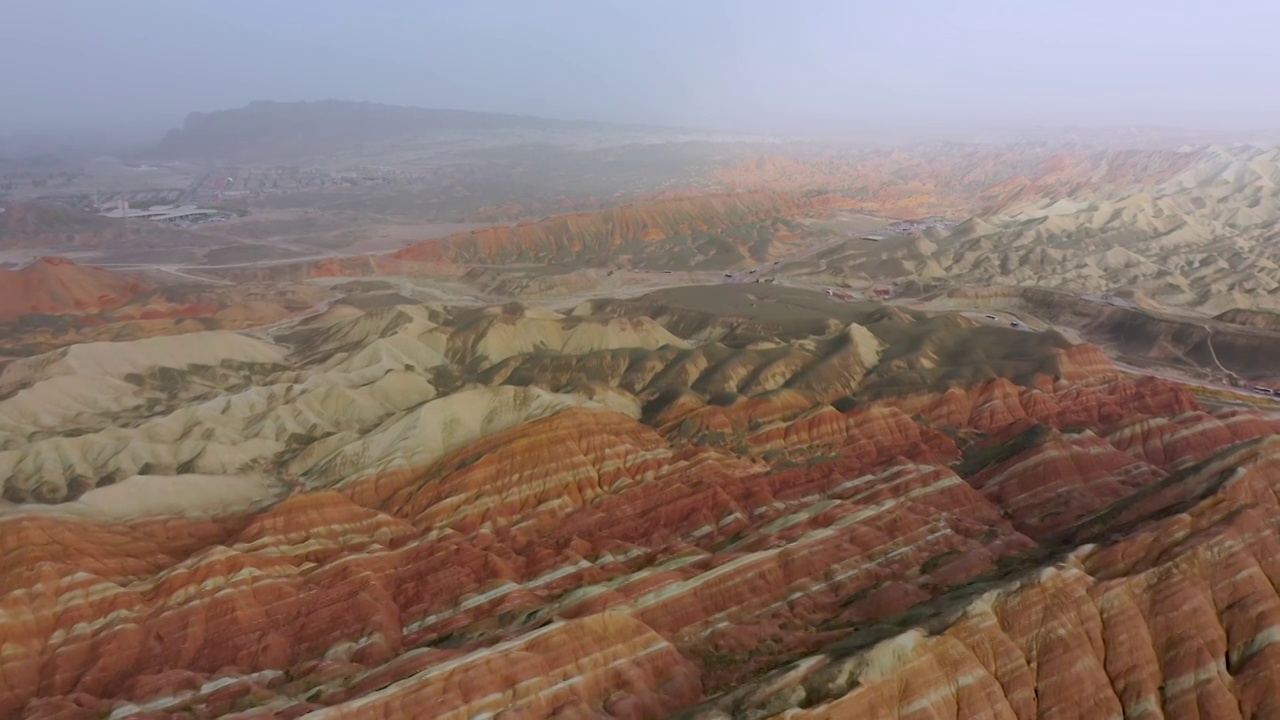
(1194, 232)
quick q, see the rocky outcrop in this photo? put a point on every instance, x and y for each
(56, 286)
(711, 230)
(462, 512)
(1187, 228)
(54, 302)
(959, 179)
(1174, 619)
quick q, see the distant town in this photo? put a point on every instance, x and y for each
(911, 228)
(915, 227)
(196, 203)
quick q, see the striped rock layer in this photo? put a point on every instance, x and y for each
(613, 517)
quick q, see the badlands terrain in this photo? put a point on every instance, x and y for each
(968, 431)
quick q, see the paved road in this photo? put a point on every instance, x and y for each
(168, 267)
(1073, 335)
(797, 256)
(1002, 317)
(173, 270)
(1181, 380)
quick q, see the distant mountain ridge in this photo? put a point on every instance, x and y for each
(279, 129)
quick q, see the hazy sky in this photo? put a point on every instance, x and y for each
(800, 65)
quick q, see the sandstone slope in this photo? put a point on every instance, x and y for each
(54, 302)
(705, 231)
(1187, 229)
(55, 286)
(723, 501)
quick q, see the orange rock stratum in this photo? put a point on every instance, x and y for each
(54, 302)
(56, 286)
(684, 504)
(701, 231)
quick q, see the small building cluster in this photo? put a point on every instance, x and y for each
(184, 215)
(915, 227)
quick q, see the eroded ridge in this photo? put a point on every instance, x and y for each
(632, 510)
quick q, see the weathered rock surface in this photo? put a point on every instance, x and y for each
(704, 231)
(424, 511)
(1185, 228)
(1174, 619)
(55, 286)
(54, 302)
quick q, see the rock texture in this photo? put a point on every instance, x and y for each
(963, 178)
(55, 286)
(633, 509)
(1189, 228)
(1238, 343)
(54, 302)
(1174, 619)
(712, 231)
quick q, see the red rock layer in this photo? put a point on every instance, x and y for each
(1056, 484)
(910, 184)
(1177, 619)
(1189, 437)
(92, 305)
(57, 286)
(999, 405)
(586, 564)
(605, 232)
(1066, 175)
